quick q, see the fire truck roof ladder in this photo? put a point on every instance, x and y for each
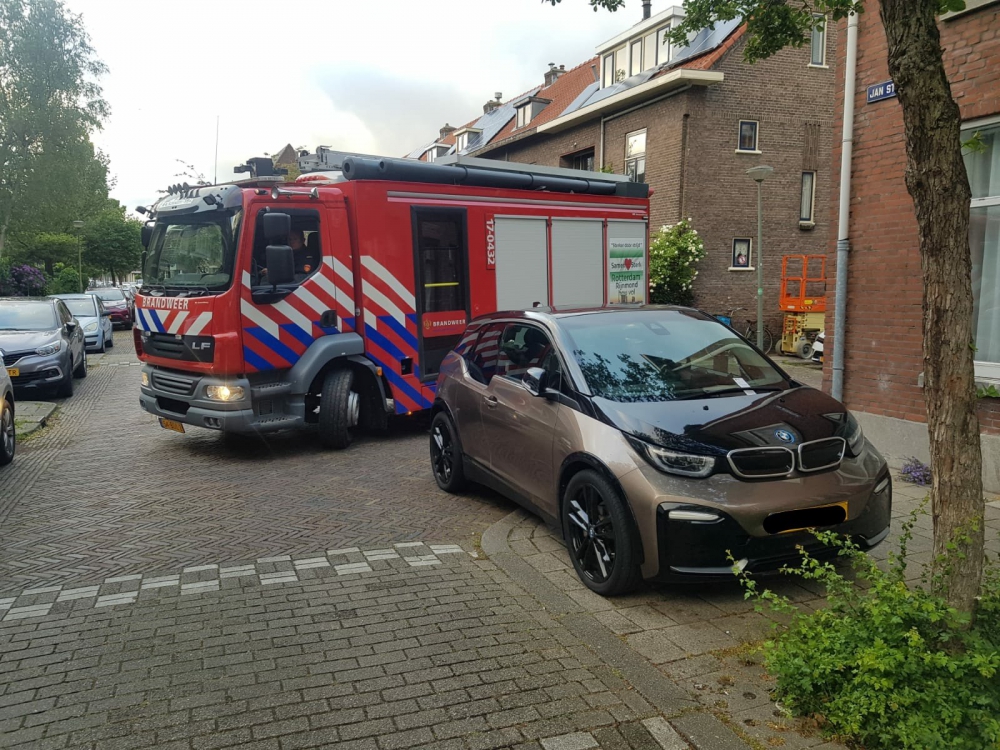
(496, 174)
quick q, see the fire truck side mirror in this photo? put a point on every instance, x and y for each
(147, 234)
(280, 264)
(276, 227)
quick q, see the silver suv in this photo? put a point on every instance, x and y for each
(8, 433)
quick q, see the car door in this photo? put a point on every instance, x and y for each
(471, 388)
(519, 426)
(102, 315)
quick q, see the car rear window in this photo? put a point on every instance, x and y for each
(82, 307)
(108, 295)
(662, 355)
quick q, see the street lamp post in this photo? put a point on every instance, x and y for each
(759, 174)
(78, 225)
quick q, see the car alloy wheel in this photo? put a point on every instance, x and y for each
(446, 456)
(592, 534)
(8, 438)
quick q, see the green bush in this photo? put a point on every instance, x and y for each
(885, 664)
(673, 253)
(67, 281)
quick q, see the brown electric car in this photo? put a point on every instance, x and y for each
(657, 439)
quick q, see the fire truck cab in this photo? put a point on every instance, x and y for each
(330, 301)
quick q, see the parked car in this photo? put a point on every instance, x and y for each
(8, 431)
(42, 344)
(116, 303)
(657, 440)
(88, 309)
(817, 353)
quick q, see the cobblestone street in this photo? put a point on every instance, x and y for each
(176, 591)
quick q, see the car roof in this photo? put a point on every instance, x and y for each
(46, 300)
(544, 313)
(74, 295)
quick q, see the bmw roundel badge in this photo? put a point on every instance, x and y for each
(784, 436)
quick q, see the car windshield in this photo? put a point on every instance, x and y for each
(27, 316)
(192, 253)
(85, 308)
(664, 355)
(107, 295)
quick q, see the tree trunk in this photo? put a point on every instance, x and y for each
(938, 183)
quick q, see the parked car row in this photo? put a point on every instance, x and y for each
(663, 445)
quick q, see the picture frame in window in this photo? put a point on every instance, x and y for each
(748, 140)
(742, 254)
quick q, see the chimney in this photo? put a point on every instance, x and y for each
(492, 104)
(446, 131)
(597, 76)
(645, 9)
(553, 73)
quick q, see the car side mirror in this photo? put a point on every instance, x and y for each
(536, 380)
(276, 227)
(105, 313)
(280, 262)
(71, 325)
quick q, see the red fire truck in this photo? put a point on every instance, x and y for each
(331, 300)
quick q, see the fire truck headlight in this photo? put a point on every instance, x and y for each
(224, 392)
(145, 378)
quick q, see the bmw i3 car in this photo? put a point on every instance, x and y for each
(659, 441)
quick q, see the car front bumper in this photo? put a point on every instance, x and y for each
(39, 373)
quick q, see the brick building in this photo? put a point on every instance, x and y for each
(689, 122)
(883, 335)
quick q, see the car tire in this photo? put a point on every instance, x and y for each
(446, 454)
(80, 371)
(104, 346)
(8, 435)
(339, 409)
(110, 340)
(599, 531)
(65, 388)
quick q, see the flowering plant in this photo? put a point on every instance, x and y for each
(673, 253)
(22, 281)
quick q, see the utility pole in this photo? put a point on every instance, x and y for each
(759, 174)
(78, 225)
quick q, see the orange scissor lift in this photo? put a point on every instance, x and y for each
(803, 302)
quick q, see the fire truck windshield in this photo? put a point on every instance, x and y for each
(192, 254)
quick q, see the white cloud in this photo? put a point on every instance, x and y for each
(375, 77)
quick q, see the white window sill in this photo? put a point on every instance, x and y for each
(987, 374)
(806, 225)
(970, 5)
(819, 67)
(744, 151)
(742, 268)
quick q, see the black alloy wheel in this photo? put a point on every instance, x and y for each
(598, 530)
(446, 456)
(8, 437)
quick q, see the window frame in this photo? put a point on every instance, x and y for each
(809, 220)
(634, 60)
(756, 137)
(608, 70)
(822, 39)
(732, 258)
(985, 370)
(568, 161)
(634, 159)
(522, 115)
(664, 45)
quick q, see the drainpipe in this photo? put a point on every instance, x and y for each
(601, 164)
(843, 224)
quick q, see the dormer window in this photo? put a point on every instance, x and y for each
(523, 115)
(436, 151)
(528, 109)
(636, 55)
(465, 136)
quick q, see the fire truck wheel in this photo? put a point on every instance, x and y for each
(339, 409)
(446, 455)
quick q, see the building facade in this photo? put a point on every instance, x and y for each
(883, 334)
(689, 122)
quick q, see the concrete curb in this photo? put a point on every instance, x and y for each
(30, 416)
(701, 729)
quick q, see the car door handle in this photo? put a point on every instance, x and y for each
(490, 401)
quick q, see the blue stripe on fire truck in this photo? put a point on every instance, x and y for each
(273, 344)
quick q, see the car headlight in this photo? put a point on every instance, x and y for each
(90, 327)
(855, 436)
(44, 351)
(675, 462)
(224, 392)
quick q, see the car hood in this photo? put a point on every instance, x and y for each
(85, 320)
(714, 426)
(19, 341)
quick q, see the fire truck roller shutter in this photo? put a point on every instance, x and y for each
(577, 262)
(628, 277)
(522, 265)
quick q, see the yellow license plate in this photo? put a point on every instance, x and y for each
(170, 424)
(13, 372)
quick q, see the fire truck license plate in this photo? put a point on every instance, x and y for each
(13, 372)
(169, 424)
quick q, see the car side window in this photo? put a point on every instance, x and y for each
(304, 239)
(63, 311)
(523, 346)
(482, 359)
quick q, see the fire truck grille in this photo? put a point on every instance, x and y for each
(188, 348)
(174, 383)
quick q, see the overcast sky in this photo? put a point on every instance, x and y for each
(374, 76)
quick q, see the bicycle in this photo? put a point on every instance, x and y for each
(750, 334)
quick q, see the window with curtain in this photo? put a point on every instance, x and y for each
(983, 166)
